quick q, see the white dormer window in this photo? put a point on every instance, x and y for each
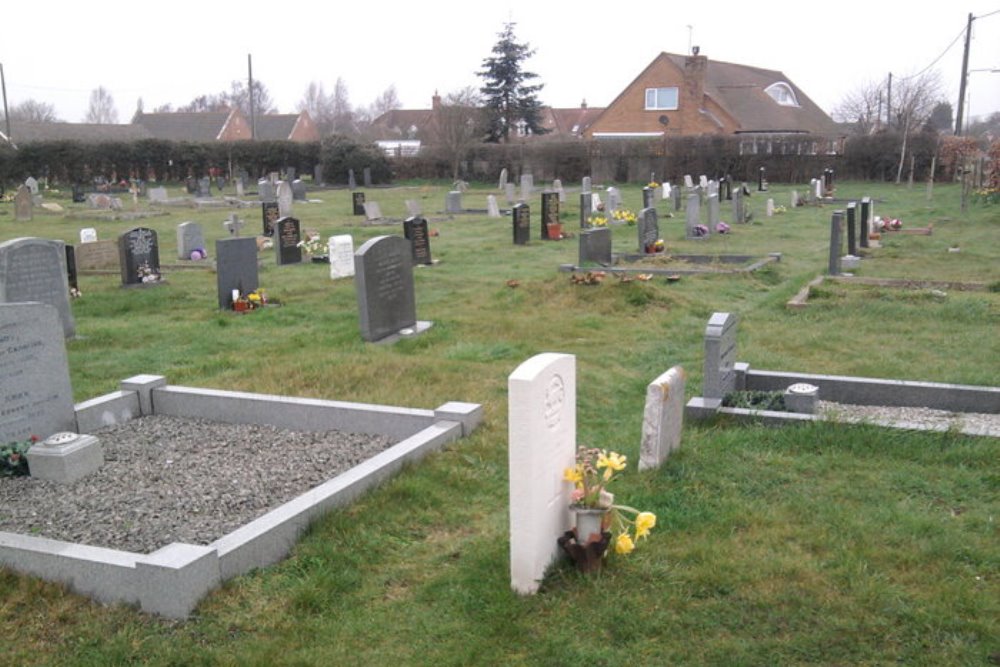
(782, 93)
(661, 99)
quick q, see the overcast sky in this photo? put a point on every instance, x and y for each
(171, 52)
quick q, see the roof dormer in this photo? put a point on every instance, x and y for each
(783, 94)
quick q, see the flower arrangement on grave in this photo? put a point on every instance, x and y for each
(75, 293)
(198, 254)
(624, 215)
(778, 210)
(589, 278)
(653, 184)
(887, 224)
(594, 471)
(250, 301)
(721, 228)
(597, 220)
(146, 274)
(655, 247)
(313, 245)
(700, 230)
(13, 457)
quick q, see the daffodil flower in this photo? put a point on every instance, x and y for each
(624, 544)
(644, 522)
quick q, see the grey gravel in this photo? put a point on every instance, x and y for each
(168, 479)
(927, 419)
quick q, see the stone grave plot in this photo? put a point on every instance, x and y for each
(733, 389)
(162, 533)
(801, 298)
(670, 265)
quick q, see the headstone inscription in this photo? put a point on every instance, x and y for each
(270, 212)
(415, 230)
(341, 252)
(236, 259)
(649, 230)
(551, 226)
(521, 218)
(34, 373)
(190, 241)
(720, 356)
(139, 257)
(542, 444)
(663, 418)
(358, 202)
(34, 269)
(97, 256)
(287, 234)
(383, 280)
(595, 246)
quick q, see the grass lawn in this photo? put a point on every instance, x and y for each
(819, 544)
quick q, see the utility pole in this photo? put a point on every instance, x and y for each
(965, 77)
(888, 104)
(6, 114)
(253, 123)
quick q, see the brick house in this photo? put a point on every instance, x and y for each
(680, 95)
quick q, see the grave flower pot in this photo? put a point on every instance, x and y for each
(590, 523)
(555, 230)
(587, 542)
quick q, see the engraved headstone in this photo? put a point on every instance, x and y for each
(675, 194)
(97, 256)
(793, 200)
(542, 444)
(358, 202)
(688, 181)
(558, 187)
(240, 188)
(762, 180)
(693, 218)
(383, 279)
(739, 207)
(550, 215)
(648, 229)
(287, 234)
(648, 197)
(351, 182)
(713, 211)
(341, 252)
(662, 419)
(585, 185)
(34, 373)
(720, 356)
(265, 189)
(521, 219)
(366, 176)
(614, 199)
(595, 246)
(190, 239)
(32, 184)
(415, 231)
(527, 186)
(233, 224)
(270, 212)
(502, 183)
(284, 196)
(34, 269)
(453, 202)
(204, 187)
(236, 262)
(510, 193)
(139, 256)
(88, 235)
(373, 212)
(318, 175)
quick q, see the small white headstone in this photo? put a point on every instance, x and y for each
(542, 444)
(794, 198)
(340, 249)
(503, 179)
(667, 191)
(662, 419)
(88, 235)
(770, 208)
(492, 208)
(595, 203)
(32, 183)
(703, 182)
(373, 211)
(285, 197)
(688, 181)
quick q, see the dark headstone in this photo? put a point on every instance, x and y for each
(358, 201)
(586, 208)
(836, 242)
(236, 259)
(521, 217)
(415, 230)
(726, 188)
(34, 374)
(287, 234)
(33, 269)
(366, 176)
(270, 212)
(139, 256)
(550, 213)
(866, 211)
(205, 187)
(71, 278)
(852, 234)
(298, 190)
(383, 280)
(675, 194)
(648, 197)
(762, 180)
(79, 196)
(191, 185)
(649, 230)
(351, 182)
(595, 246)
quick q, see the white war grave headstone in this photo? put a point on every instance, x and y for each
(340, 249)
(542, 444)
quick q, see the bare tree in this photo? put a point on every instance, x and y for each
(238, 98)
(319, 106)
(102, 109)
(863, 107)
(385, 102)
(32, 111)
(340, 105)
(459, 124)
(914, 101)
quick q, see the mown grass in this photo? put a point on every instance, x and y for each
(818, 544)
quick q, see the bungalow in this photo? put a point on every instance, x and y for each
(680, 95)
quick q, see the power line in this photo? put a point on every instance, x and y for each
(936, 60)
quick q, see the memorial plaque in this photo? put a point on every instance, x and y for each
(33, 269)
(358, 200)
(415, 230)
(236, 259)
(139, 256)
(270, 214)
(287, 234)
(34, 373)
(383, 279)
(521, 215)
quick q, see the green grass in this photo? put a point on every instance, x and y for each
(821, 544)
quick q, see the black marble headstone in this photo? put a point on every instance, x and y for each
(71, 267)
(852, 240)
(550, 212)
(287, 235)
(139, 256)
(521, 217)
(866, 211)
(270, 212)
(236, 259)
(415, 230)
(358, 200)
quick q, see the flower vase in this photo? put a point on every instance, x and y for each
(588, 541)
(589, 524)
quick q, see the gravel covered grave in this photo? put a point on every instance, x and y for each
(169, 479)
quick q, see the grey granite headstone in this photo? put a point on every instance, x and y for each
(510, 193)
(189, 237)
(558, 187)
(285, 197)
(648, 229)
(33, 269)
(614, 199)
(527, 186)
(412, 208)
(373, 211)
(351, 181)
(265, 189)
(236, 261)
(836, 242)
(204, 187)
(34, 373)
(298, 190)
(739, 207)
(23, 205)
(662, 419)
(240, 188)
(648, 197)
(720, 356)
(32, 184)
(713, 211)
(769, 208)
(492, 208)
(366, 176)
(693, 218)
(453, 203)
(287, 234)
(502, 183)
(157, 195)
(318, 176)
(383, 280)
(586, 185)
(595, 246)
(586, 208)
(675, 194)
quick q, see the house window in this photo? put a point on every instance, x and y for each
(661, 99)
(783, 94)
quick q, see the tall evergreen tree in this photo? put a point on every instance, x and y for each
(511, 101)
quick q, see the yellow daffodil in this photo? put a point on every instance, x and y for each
(574, 475)
(644, 522)
(624, 544)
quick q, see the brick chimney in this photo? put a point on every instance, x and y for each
(695, 69)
